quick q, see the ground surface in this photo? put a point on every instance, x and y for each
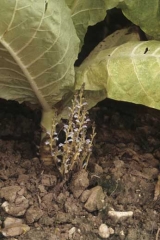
(125, 165)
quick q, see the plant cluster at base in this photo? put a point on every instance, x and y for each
(74, 153)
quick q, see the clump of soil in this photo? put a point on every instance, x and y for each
(116, 191)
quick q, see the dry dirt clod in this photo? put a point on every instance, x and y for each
(157, 189)
(95, 200)
(98, 169)
(85, 195)
(48, 180)
(46, 221)
(71, 207)
(33, 214)
(9, 193)
(79, 183)
(18, 208)
(22, 178)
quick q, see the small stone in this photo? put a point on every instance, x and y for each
(95, 200)
(117, 215)
(121, 235)
(33, 214)
(79, 183)
(15, 230)
(11, 220)
(71, 233)
(105, 231)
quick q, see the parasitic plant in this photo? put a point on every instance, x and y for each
(75, 151)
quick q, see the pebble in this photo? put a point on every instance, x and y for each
(79, 183)
(105, 231)
(14, 227)
(95, 200)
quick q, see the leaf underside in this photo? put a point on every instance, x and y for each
(38, 48)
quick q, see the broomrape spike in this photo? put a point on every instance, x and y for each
(74, 153)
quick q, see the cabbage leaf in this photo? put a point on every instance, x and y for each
(143, 13)
(129, 72)
(88, 13)
(38, 48)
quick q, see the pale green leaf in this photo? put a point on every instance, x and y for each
(112, 3)
(38, 48)
(86, 13)
(144, 13)
(129, 72)
(95, 90)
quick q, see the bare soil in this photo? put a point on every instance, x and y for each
(124, 165)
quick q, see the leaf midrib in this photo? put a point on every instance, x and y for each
(27, 74)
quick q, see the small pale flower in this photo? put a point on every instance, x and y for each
(61, 144)
(75, 115)
(88, 120)
(47, 142)
(56, 138)
(84, 165)
(70, 134)
(48, 133)
(88, 141)
(85, 103)
(70, 140)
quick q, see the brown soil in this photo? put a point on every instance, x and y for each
(124, 164)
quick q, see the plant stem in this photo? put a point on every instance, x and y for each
(48, 125)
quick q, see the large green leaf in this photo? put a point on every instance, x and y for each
(144, 13)
(129, 72)
(95, 90)
(38, 48)
(112, 3)
(88, 12)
